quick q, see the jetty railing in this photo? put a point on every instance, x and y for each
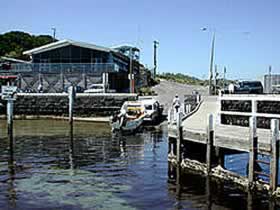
(189, 105)
(237, 109)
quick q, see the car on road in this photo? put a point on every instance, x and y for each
(96, 88)
(249, 87)
(78, 89)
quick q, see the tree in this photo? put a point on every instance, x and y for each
(13, 43)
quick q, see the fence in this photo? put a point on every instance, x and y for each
(60, 68)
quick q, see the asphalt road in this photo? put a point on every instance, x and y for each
(167, 90)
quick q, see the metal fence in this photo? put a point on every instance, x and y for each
(60, 68)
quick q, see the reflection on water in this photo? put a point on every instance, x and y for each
(93, 170)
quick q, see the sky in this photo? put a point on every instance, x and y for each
(247, 31)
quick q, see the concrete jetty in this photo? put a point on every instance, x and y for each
(222, 125)
(226, 136)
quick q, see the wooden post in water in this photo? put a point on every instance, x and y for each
(274, 154)
(220, 156)
(62, 80)
(10, 104)
(169, 119)
(209, 142)
(71, 96)
(85, 80)
(253, 144)
(179, 137)
(71, 148)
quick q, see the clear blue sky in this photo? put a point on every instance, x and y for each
(248, 32)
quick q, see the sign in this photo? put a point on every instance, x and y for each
(130, 76)
(9, 92)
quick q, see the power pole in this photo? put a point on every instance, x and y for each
(224, 80)
(54, 33)
(216, 78)
(156, 43)
(211, 64)
(131, 72)
(270, 80)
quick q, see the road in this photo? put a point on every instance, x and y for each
(166, 91)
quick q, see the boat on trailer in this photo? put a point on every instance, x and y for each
(130, 118)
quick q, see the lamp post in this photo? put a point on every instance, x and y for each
(211, 64)
(211, 60)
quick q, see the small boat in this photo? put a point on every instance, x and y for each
(153, 109)
(130, 118)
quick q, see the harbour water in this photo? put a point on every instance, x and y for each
(94, 170)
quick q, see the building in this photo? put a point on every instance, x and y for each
(272, 83)
(79, 63)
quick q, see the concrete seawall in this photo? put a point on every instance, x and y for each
(86, 104)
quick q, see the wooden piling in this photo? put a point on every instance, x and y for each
(71, 147)
(253, 144)
(85, 80)
(71, 96)
(62, 81)
(10, 104)
(274, 154)
(169, 119)
(179, 138)
(209, 142)
(220, 156)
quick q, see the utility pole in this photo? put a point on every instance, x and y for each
(224, 80)
(216, 78)
(211, 64)
(156, 43)
(270, 80)
(54, 33)
(131, 73)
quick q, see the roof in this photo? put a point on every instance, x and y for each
(64, 43)
(13, 60)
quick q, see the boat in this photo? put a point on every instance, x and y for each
(153, 109)
(130, 118)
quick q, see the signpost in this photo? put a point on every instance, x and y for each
(9, 94)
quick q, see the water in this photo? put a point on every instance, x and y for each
(95, 170)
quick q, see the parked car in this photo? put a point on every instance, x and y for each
(249, 87)
(78, 89)
(96, 88)
(276, 89)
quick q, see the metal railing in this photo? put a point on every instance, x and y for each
(60, 68)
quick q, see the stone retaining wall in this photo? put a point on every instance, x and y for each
(86, 104)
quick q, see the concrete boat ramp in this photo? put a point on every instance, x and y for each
(225, 136)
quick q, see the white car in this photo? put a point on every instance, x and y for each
(153, 109)
(96, 88)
